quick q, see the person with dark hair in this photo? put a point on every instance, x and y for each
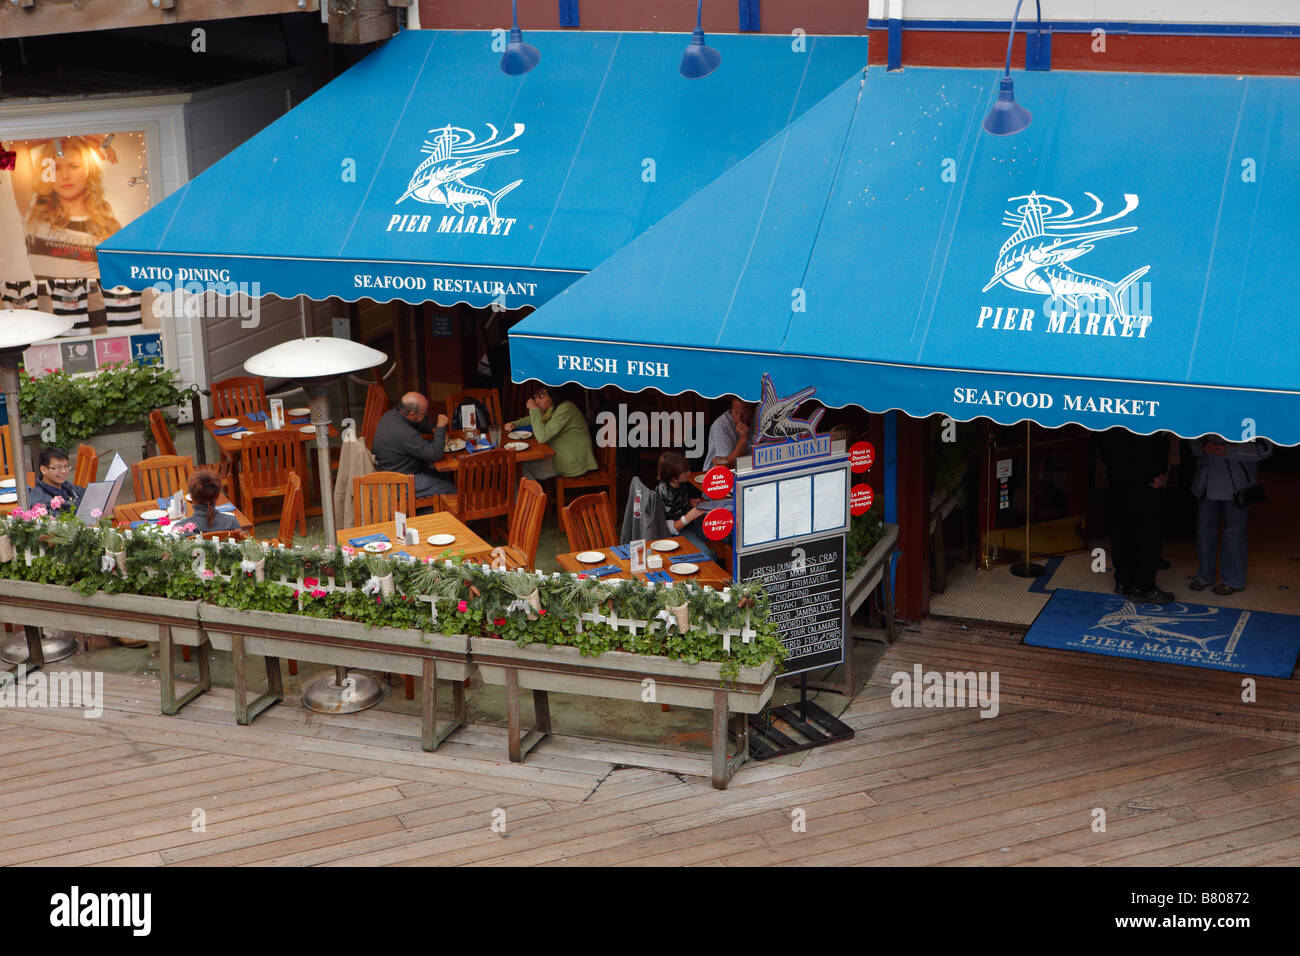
(679, 495)
(52, 484)
(1136, 466)
(564, 428)
(1223, 470)
(729, 435)
(205, 489)
(400, 447)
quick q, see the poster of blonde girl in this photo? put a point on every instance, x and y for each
(69, 213)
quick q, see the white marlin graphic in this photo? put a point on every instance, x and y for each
(454, 154)
(1128, 620)
(774, 421)
(1048, 236)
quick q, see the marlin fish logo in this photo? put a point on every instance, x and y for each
(774, 414)
(454, 155)
(1129, 621)
(1047, 236)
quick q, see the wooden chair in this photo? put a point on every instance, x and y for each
(161, 436)
(238, 534)
(485, 487)
(242, 395)
(376, 404)
(588, 524)
(525, 525)
(87, 469)
(6, 459)
(604, 476)
(291, 513)
(266, 459)
(489, 398)
(161, 476)
(379, 495)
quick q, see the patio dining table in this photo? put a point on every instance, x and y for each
(133, 511)
(442, 522)
(709, 573)
(535, 451)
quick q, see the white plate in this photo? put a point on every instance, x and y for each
(455, 444)
(225, 422)
(240, 434)
(666, 544)
(698, 479)
(153, 514)
(298, 412)
(439, 539)
(591, 557)
(308, 429)
(516, 446)
(8, 498)
(378, 547)
(684, 568)
(8, 482)
(520, 435)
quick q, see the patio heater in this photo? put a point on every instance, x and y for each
(19, 328)
(316, 363)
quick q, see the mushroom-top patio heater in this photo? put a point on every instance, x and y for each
(19, 328)
(317, 363)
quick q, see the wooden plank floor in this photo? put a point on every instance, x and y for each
(916, 786)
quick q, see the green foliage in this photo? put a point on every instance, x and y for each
(864, 531)
(85, 405)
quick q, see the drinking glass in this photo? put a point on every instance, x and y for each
(495, 434)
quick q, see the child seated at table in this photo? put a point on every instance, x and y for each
(205, 489)
(679, 496)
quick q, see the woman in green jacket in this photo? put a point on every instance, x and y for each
(564, 428)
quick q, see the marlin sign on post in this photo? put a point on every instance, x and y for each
(781, 438)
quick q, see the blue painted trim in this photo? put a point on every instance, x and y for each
(1038, 50)
(889, 455)
(1120, 27)
(1039, 585)
(751, 15)
(895, 44)
(569, 16)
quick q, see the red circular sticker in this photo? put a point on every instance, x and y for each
(718, 524)
(860, 499)
(717, 482)
(861, 457)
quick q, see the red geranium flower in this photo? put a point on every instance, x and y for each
(310, 582)
(500, 622)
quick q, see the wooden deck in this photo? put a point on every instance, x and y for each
(917, 786)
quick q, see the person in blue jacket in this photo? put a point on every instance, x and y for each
(53, 482)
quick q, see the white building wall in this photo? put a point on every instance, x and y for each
(1258, 12)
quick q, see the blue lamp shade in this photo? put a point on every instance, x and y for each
(699, 60)
(1007, 116)
(520, 57)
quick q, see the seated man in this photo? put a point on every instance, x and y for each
(564, 428)
(729, 435)
(53, 482)
(400, 447)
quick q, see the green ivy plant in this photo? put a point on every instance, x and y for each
(85, 405)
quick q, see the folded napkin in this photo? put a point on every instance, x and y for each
(136, 524)
(696, 558)
(164, 502)
(624, 551)
(226, 507)
(300, 421)
(603, 570)
(481, 444)
(362, 542)
(257, 416)
(229, 431)
(663, 577)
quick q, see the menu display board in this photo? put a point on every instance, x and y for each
(806, 587)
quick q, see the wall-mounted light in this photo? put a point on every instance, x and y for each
(1007, 117)
(520, 57)
(138, 180)
(699, 60)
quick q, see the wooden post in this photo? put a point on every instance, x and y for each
(361, 21)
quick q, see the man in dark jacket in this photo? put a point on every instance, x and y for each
(53, 482)
(400, 445)
(1137, 467)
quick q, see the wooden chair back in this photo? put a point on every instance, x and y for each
(87, 469)
(489, 398)
(238, 534)
(161, 476)
(6, 459)
(526, 520)
(376, 405)
(266, 459)
(161, 436)
(292, 512)
(242, 395)
(485, 485)
(378, 495)
(588, 524)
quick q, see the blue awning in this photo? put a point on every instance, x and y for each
(425, 173)
(1128, 259)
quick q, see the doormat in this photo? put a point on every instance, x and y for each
(1197, 635)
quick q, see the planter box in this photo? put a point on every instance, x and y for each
(396, 650)
(863, 581)
(618, 675)
(131, 616)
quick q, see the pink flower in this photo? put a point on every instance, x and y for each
(310, 582)
(164, 522)
(318, 593)
(96, 512)
(462, 607)
(184, 528)
(56, 502)
(296, 593)
(208, 574)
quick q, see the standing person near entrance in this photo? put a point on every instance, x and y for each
(1137, 465)
(401, 447)
(564, 428)
(729, 435)
(53, 489)
(1222, 470)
